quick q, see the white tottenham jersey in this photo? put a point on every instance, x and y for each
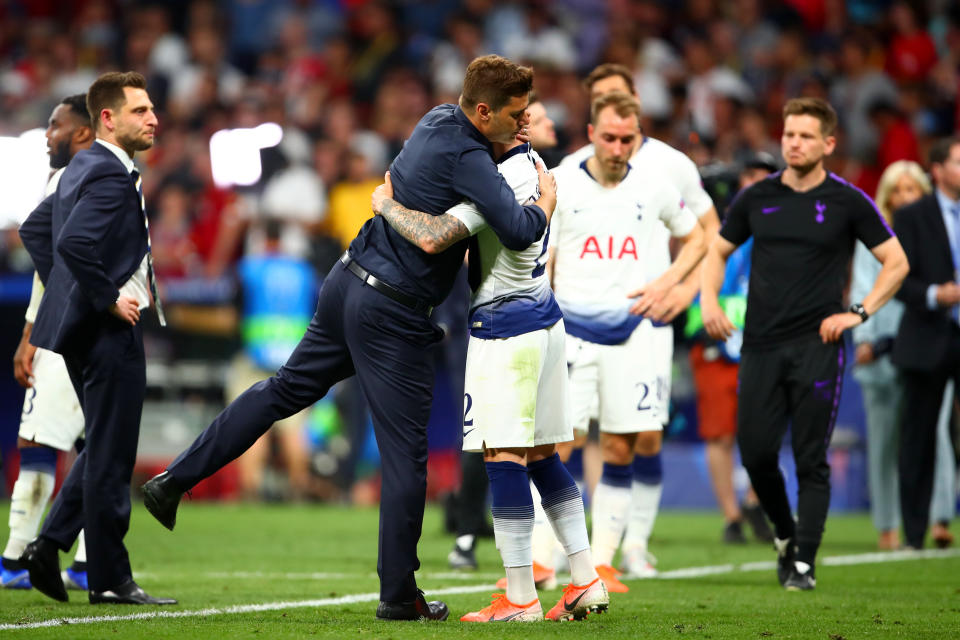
(677, 169)
(36, 292)
(511, 292)
(604, 240)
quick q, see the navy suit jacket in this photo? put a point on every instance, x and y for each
(925, 334)
(86, 240)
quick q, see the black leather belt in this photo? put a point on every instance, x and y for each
(415, 304)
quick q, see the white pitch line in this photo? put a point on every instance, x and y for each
(690, 572)
(243, 608)
(829, 561)
(313, 575)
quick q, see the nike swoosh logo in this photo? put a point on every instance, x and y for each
(570, 606)
(468, 432)
(768, 210)
(510, 617)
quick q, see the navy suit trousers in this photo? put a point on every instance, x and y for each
(922, 398)
(358, 330)
(106, 365)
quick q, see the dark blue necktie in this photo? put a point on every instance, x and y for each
(151, 277)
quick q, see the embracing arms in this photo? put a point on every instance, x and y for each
(436, 233)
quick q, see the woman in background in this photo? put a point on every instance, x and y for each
(902, 182)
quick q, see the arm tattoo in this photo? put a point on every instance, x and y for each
(422, 229)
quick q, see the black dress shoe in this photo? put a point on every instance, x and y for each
(419, 609)
(41, 559)
(127, 593)
(161, 496)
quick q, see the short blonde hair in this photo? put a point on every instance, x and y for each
(624, 105)
(891, 175)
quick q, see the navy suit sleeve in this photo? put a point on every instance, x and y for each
(36, 232)
(477, 179)
(913, 291)
(81, 240)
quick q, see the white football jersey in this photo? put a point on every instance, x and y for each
(678, 169)
(605, 240)
(512, 293)
(36, 292)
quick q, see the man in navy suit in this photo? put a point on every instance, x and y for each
(90, 245)
(373, 320)
(927, 347)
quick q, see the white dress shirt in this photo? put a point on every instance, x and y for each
(137, 287)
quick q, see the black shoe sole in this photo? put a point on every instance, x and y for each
(153, 506)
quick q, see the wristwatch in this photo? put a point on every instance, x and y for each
(858, 309)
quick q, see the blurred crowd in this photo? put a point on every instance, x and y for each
(347, 80)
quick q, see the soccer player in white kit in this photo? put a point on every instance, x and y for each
(515, 395)
(612, 223)
(51, 420)
(679, 171)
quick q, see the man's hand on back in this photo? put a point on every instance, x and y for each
(381, 194)
(126, 309)
(548, 191)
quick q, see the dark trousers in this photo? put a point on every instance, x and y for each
(471, 509)
(800, 382)
(922, 398)
(358, 330)
(107, 368)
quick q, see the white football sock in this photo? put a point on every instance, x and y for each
(520, 586)
(644, 506)
(543, 539)
(570, 527)
(81, 555)
(610, 506)
(582, 569)
(31, 492)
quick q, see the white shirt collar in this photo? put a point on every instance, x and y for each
(120, 153)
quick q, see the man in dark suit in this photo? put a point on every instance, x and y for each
(90, 245)
(373, 320)
(927, 347)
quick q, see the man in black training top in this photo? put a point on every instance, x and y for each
(373, 320)
(804, 221)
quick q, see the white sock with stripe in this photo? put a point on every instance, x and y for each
(31, 492)
(611, 502)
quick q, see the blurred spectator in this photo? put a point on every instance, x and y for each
(350, 197)
(860, 86)
(373, 28)
(174, 254)
(911, 53)
(897, 141)
(295, 198)
(279, 295)
(901, 183)
(450, 58)
(540, 42)
(707, 84)
(206, 79)
(754, 137)
(756, 41)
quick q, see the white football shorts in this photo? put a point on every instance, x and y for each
(51, 413)
(515, 391)
(632, 381)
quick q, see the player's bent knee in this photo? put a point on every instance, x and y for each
(649, 443)
(617, 448)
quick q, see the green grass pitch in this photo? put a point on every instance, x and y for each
(312, 570)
